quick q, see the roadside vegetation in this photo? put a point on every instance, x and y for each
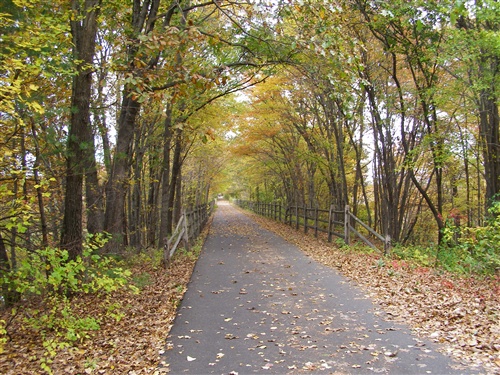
(96, 314)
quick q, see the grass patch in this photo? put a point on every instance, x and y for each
(142, 280)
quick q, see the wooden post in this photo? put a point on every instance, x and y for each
(166, 253)
(297, 217)
(186, 234)
(347, 224)
(330, 219)
(305, 219)
(316, 222)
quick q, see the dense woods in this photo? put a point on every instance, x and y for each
(116, 116)
(105, 105)
(390, 107)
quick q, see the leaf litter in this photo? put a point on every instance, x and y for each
(130, 346)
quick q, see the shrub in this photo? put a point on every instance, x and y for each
(49, 277)
(473, 249)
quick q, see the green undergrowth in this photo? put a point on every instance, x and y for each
(194, 250)
(51, 292)
(464, 251)
(61, 303)
(462, 259)
(52, 303)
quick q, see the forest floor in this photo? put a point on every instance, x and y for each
(463, 314)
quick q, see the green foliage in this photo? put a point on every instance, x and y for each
(421, 255)
(359, 247)
(3, 335)
(48, 273)
(193, 253)
(113, 310)
(464, 250)
(153, 257)
(142, 280)
(59, 324)
(473, 250)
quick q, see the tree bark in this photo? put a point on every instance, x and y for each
(489, 121)
(9, 296)
(165, 179)
(84, 41)
(118, 183)
(144, 17)
(175, 179)
(135, 206)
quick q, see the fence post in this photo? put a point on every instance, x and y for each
(347, 224)
(186, 234)
(166, 253)
(330, 219)
(305, 219)
(316, 222)
(297, 217)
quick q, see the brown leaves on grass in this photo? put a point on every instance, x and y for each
(463, 314)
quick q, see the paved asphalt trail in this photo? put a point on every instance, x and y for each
(257, 304)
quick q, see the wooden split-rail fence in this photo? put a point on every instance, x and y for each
(188, 228)
(333, 222)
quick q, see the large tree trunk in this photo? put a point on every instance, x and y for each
(135, 206)
(9, 296)
(84, 36)
(118, 183)
(489, 128)
(144, 17)
(165, 177)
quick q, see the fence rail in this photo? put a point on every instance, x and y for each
(333, 222)
(188, 228)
